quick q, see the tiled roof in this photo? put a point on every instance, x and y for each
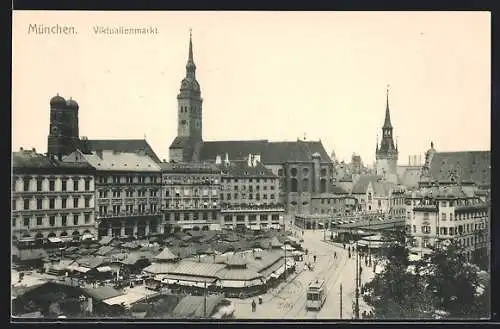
(118, 161)
(280, 152)
(160, 268)
(241, 169)
(123, 145)
(472, 166)
(197, 269)
(237, 274)
(236, 150)
(102, 293)
(191, 307)
(270, 152)
(166, 254)
(189, 167)
(28, 159)
(383, 188)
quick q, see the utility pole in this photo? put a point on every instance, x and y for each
(205, 299)
(341, 301)
(356, 305)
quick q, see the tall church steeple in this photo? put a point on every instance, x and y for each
(387, 121)
(190, 66)
(189, 114)
(387, 152)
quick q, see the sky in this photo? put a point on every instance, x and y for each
(263, 75)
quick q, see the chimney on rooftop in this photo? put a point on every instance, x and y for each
(249, 160)
(226, 160)
(256, 159)
(21, 149)
(34, 150)
(218, 160)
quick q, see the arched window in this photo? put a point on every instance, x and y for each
(305, 185)
(323, 172)
(293, 172)
(294, 185)
(323, 186)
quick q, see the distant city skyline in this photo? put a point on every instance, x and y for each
(263, 76)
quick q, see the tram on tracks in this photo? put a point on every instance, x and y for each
(316, 295)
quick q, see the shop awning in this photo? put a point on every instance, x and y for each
(27, 239)
(104, 269)
(186, 280)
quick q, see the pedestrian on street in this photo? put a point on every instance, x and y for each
(254, 305)
(335, 255)
(344, 245)
(314, 257)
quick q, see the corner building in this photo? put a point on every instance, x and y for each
(51, 199)
(128, 192)
(190, 196)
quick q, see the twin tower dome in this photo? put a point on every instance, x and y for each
(58, 102)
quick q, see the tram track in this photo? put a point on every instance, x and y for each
(300, 301)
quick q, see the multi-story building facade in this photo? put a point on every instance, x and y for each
(447, 213)
(190, 196)
(331, 204)
(51, 199)
(128, 192)
(250, 195)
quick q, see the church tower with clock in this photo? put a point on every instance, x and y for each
(187, 144)
(387, 153)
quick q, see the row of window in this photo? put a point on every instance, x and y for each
(461, 229)
(189, 205)
(244, 196)
(226, 180)
(129, 208)
(305, 172)
(458, 216)
(39, 187)
(251, 188)
(251, 218)
(204, 180)
(141, 193)
(305, 185)
(332, 200)
(188, 192)
(128, 179)
(206, 215)
(51, 204)
(50, 221)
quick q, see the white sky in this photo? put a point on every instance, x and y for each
(264, 75)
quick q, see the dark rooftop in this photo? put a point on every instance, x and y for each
(241, 169)
(123, 146)
(270, 152)
(29, 159)
(465, 166)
